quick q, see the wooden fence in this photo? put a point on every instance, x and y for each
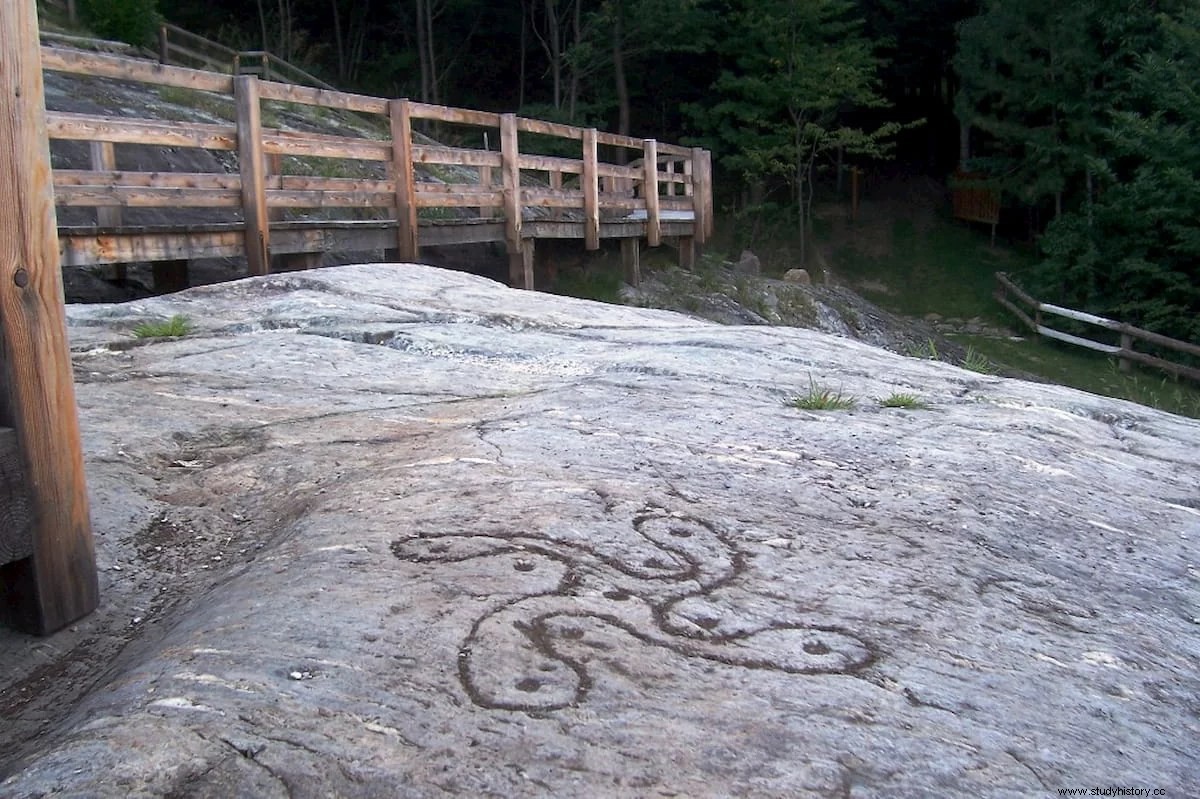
(1031, 312)
(666, 190)
(47, 562)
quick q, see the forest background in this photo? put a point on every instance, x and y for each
(1084, 115)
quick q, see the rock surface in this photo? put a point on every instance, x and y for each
(391, 531)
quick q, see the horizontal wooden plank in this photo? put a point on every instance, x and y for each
(618, 171)
(1015, 290)
(147, 197)
(286, 142)
(462, 200)
(1077, 340)
(188, 180)
(16, 523)
(1159, 363)
(1020, 314)
(306, 95)
(426, 187)
(88, 127)
(293, 198)
(457, 116)
(617, 140)
(85, 249)
(548, 163)
(312, 183)
(110, 66)
(552, 198)
(544, 128)
(1079, 316)
(673, 149)
(1161, 340)
(455, 156)
(177, 52)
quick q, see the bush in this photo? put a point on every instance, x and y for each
(132, 21)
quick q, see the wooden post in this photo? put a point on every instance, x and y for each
(687, 253)
(407, 233)
(708, 196)
(1126, 346)
(591, 192)
(163, 52)
(527, 259)
(653, 223)
(485, 182)
(671, 182)
(104, 159)
(250, 162)
(511, 169)
(698, 191)
(57, 583)
(556, 179)
(631, 259)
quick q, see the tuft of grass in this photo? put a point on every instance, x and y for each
(823, 399)
(178, 325)
(900, 400)
(928, 350)
(976, 361)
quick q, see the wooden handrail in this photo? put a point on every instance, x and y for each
(665, 177)
(1128, 333)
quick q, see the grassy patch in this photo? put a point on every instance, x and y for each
(1090, 371)
(178, 325)
(823, 399)
(908, 401)
(602, 285)
(976, 361)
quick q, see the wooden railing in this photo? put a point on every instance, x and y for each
(1031, 312)
(180, 47)
(393, 176)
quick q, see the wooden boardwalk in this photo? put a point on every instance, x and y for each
(395, 192)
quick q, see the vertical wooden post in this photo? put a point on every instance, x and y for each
(511, 176)
(653, 223)
(591, 192)
(485, 182)
(250, 162)
(1126, 346)
(400, 115)
(527, 259)
(708, 196)
(687, 253)
(57, 583)
(698, 191)
(104, 159)
(631, 259)
(671, 181)
(556, 179)
(163, 52)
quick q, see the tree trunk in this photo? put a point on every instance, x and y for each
(423, 50)
(555, 49)
(621, 84)
(576, 34)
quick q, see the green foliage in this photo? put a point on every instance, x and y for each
(976, 361)
(600, 284)
(927, 350)
(903, 400)
(823, 399)
(132, 21)
(1094, 105)
(174, 327)
(1133, 251)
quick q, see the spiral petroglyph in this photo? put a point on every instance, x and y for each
(525, 653)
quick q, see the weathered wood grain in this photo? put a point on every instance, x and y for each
(306, 95)
(650, 191)
(108, 66)
(89, 127)
(250, 164)
(57, 584)
(400, 120)
(16, 523)
(591, 192)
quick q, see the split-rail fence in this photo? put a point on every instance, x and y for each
(1032, 314)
